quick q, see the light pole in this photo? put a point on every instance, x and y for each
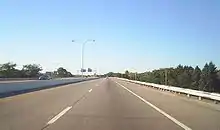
(82, 53)
(166, 77)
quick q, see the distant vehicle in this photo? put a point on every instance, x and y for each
(45, 77)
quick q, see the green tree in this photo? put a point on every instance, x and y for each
(209, 78)
(31, 70)
(156, 76)
(196, 75)
(203, 85)
(218, 73)
(172, 77)
(142, 77)
(213, 80)
(183, 76)
(61, 72)
(179, 70)
(8, 70)
(218, 82)
(184, 79)
(69, 74)
(110, 74)
(126, 75)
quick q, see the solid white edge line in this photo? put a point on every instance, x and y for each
(156, 108)
(90, 90)
(59, 115)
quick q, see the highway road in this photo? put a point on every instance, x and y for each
(106, 104)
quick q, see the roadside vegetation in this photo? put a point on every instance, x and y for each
(205, 79)
(9, 70)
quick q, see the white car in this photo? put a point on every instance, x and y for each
(45, 77)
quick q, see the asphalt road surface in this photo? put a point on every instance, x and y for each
(106, 104)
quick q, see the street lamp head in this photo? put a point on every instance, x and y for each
(92, 40)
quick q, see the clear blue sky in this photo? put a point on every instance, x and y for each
(137, 35)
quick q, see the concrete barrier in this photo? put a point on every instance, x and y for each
(15, 88)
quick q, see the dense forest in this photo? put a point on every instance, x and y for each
(205, 79)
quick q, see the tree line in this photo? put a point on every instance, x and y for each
(9, 70)
(205, 79)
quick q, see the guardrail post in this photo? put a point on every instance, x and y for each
(200, 98)
(188, 95)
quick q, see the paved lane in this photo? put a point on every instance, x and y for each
(32, 111)
(103, 104)
(195, 114)
(110, 107)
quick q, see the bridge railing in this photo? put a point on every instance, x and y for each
(189, 92)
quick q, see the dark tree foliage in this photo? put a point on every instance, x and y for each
(8, 70)
(31, 70)
(196, 75)
(61, 72)
(207, 79)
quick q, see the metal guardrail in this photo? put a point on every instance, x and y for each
(188, 92)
